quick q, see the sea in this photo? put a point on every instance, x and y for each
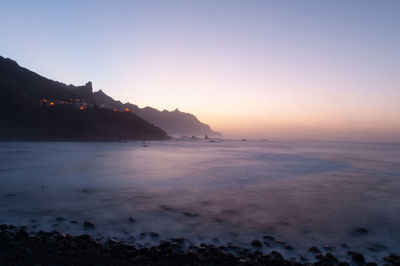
(303, 193)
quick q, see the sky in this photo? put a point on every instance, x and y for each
(256, 69)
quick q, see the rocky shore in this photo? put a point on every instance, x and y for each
(18, 247)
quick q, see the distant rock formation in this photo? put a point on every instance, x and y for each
(175, 123)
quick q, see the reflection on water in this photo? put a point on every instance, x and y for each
(304, 193)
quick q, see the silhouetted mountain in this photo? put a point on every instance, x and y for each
(174, 123)
(23, 92)
(35, 107)
(84, 92)
(101, 98)
(21, 86)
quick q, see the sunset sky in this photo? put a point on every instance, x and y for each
(262, 69)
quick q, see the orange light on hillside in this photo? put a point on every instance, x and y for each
(81, 108)
(127, 110)
(51, 103)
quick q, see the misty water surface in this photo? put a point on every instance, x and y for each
(303, 193)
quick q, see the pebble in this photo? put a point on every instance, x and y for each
(288, 247)
(360, 230)
(88, 225)
(154, 235)
(314, 250)
(269, 237)
(256, 243)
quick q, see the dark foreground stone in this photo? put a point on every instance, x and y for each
(17, 247)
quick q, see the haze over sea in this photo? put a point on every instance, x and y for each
(304, 193)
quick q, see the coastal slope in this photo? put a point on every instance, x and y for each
(37, 108)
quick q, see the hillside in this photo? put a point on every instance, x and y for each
(34, 107)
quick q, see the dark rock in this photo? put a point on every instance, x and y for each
(164, 245)
(88, 225)
(21, 233)
(153, 234)
(233, 246)
(131, 220)
(73, 222)
(179, 240)
(194, 248)
(329, 248)
(112, 241)
(343, 245)
(356, 257)
(377, 247)
(243, 251)
(265, 260)
(60, 219)
(223, 248)
(360, 230)
(85, 237)
(392, 258)
(41, 233)
(288, 247)
(330, 257)
(3, 226)
(276, 255)
(176, 246)
(303, 258)
(314, 250)
(189, 214)
(268, 237)
(256, 243)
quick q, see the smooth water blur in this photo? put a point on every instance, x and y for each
(304, 193)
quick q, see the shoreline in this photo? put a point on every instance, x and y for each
(19, 247)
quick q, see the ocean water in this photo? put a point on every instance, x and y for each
(303, 193)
